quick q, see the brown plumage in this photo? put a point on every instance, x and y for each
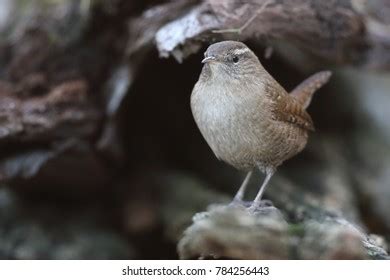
(246, 117)
(305, 90)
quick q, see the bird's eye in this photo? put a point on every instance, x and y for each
(235, 59)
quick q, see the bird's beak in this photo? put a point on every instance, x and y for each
(208, 59)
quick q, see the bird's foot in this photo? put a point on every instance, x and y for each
(259, 206)
(237, 202)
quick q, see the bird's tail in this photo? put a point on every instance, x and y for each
(305, 90)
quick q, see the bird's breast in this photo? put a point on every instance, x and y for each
(230, 119)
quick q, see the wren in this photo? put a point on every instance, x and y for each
(247, 118)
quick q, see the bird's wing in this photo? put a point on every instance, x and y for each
(287, 109)
(305, 90)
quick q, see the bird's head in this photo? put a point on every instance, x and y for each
(230, 59)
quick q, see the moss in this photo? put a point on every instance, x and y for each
(296, 229)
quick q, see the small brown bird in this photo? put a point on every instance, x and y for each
(246, 117)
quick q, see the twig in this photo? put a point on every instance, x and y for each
(247, 23)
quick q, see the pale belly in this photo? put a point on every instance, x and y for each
(231, 129)
(242, 133)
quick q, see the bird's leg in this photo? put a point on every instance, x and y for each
(256, 203)
(240, 194)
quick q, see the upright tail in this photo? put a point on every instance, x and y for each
(305, 90)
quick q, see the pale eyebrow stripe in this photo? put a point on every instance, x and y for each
(240, 51)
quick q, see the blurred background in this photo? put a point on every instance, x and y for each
(100, 157)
